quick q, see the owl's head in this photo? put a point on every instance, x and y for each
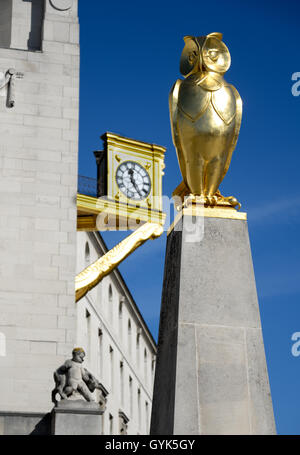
(204, 53)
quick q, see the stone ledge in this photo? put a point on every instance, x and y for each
(77, 407)
(21, 414)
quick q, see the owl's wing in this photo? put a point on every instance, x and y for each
(238, 121)
(173, 106)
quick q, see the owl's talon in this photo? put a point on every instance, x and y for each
(214, 200)
(234, 202)
(230, 199)
(211, 200)
(187, 201)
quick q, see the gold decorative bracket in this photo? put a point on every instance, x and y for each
(92, 275)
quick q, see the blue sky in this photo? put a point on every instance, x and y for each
(129, 60)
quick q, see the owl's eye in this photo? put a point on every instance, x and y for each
(213, 54)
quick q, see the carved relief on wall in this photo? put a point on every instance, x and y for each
(7, 85)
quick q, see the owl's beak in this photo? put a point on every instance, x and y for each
(200, 40)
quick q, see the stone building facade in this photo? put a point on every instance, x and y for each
(39, 39)
(120, 349)
(40, 322)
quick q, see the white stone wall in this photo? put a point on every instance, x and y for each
(38, 185)
(103, 318)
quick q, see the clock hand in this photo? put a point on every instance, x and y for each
(131, 173)
(137, 188)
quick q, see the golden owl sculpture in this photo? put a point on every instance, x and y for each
(206, 114)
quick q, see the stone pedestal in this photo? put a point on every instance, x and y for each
(211, 375)
(72, 418)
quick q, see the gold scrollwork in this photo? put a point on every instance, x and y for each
(92, 275)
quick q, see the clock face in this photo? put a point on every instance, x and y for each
(133, 180)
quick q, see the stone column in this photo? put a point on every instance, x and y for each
(211, 374)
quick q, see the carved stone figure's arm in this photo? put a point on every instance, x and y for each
(9, 80)
(173, 107)
(60, 381)
(60, 375)
(90, 380)
(64, 368)
(11, 95)
(85, 375)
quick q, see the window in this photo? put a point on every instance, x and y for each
(111, 424)
(129, 336)
(88, 334)
(122, 383)
(152, 369)
(111, 355)
(121, 317)
(147, 417)
(110, 293)
(139, 407)
(100, 353)
(87, 254)
(138, 349)
(146, 366)
(130, 397)
(110, 303)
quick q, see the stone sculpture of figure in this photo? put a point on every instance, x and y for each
(72, 379)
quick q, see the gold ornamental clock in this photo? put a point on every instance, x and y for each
(129, 185)
(128, 197)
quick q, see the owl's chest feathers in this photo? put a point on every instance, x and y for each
(195, 102)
